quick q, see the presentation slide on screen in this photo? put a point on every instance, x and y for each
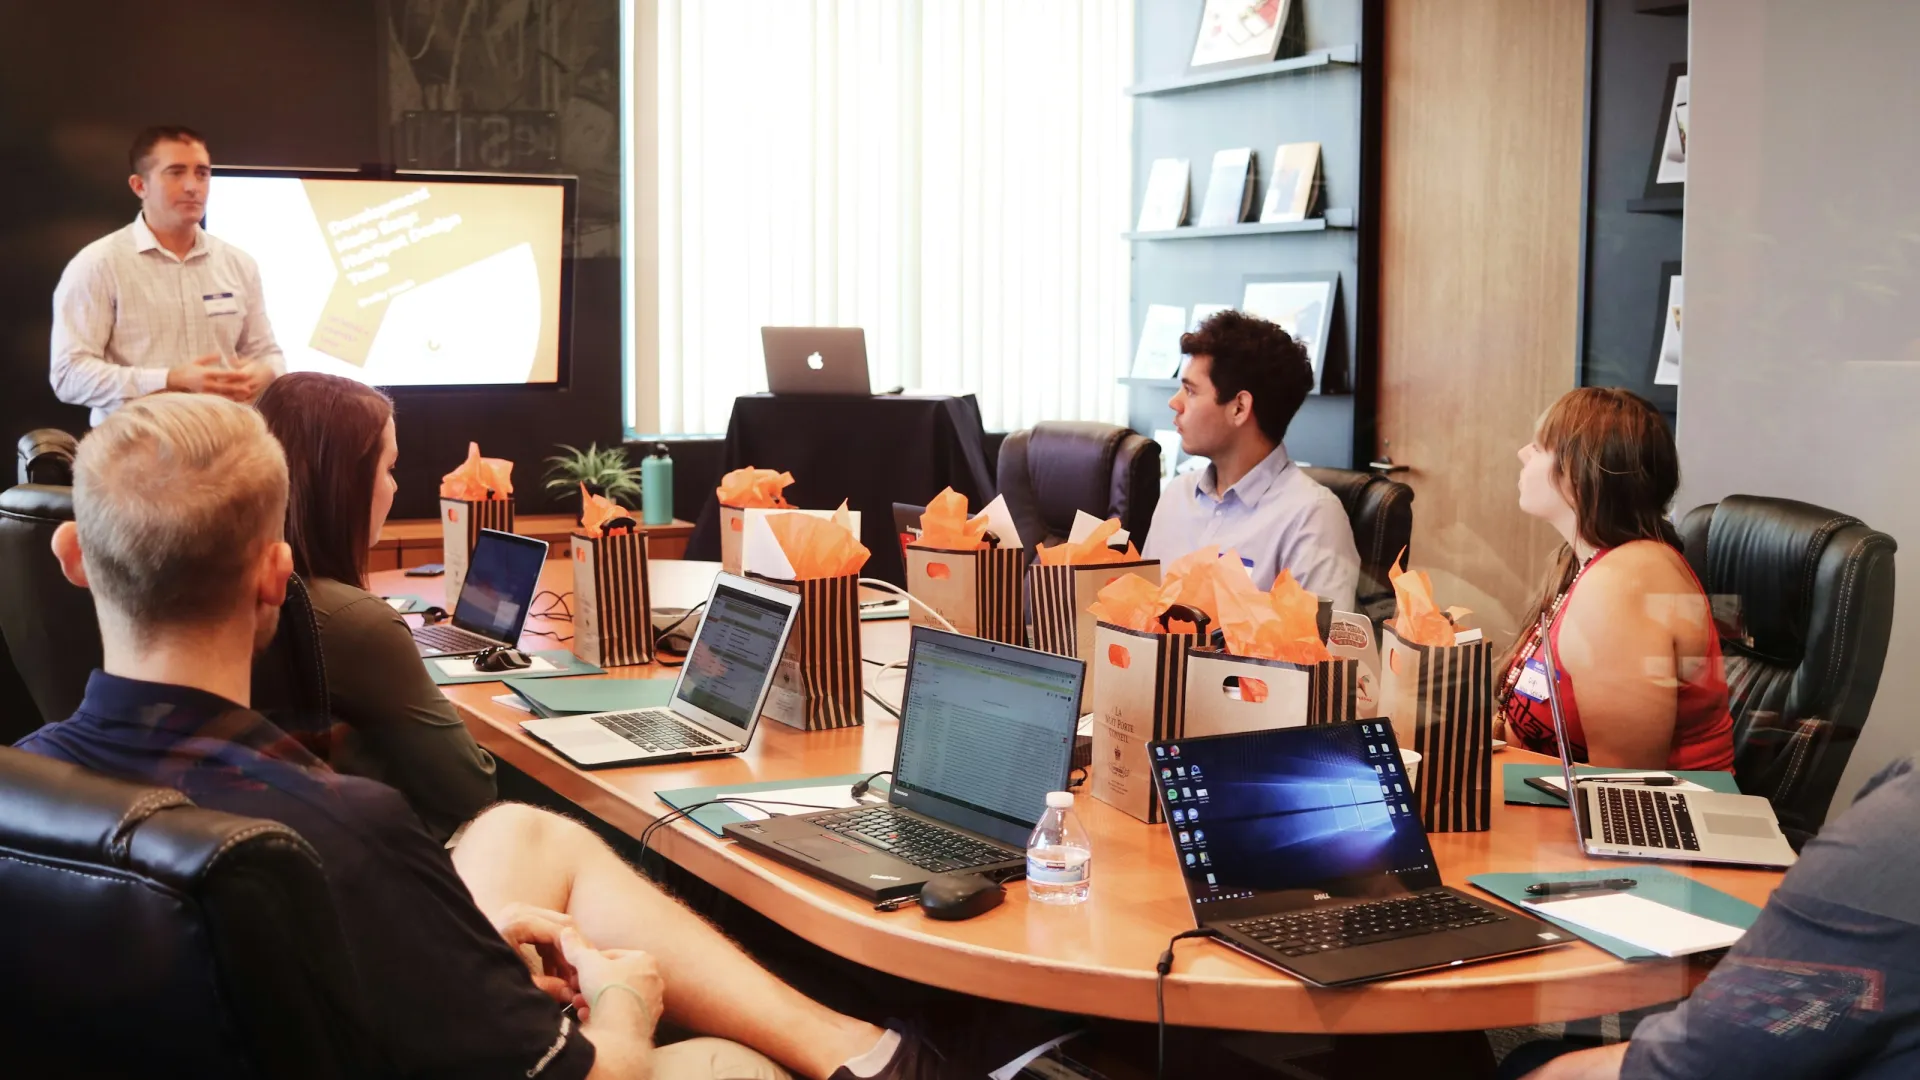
(402, 282)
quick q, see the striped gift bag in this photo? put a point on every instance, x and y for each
(612, 615)
(1441, 703)
(817, 686)
(1059, 597)
(977, 591)
(1139, 695)
(460, 523)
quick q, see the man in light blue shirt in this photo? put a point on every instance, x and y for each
(1244, 381)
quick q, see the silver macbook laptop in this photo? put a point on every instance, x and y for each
(717, 700)
(502, 577)
(1632, 821)
(816, 360)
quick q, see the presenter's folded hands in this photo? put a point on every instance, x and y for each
(210, 375)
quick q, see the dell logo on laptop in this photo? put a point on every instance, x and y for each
(1322, 896)
(814, 363)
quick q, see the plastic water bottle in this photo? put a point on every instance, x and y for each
(1059, 856)
(656, 487)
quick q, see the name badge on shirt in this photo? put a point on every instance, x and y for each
(1533, 681)
(221, 303)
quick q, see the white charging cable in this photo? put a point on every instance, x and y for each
(911, 599)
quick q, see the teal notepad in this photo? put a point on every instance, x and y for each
(571, 697)
(1515, 779)
(1657, 885)
(713, 818)
(566, 662)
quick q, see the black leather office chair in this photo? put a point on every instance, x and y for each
(149, 937)
(54, 636)
(1381, 512)
(46, 457)
(1803, 598)
(1060, 466)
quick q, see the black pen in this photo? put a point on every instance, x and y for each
(1561, 888)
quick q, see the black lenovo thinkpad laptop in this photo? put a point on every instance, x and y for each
(1302, 847)
(986, 730)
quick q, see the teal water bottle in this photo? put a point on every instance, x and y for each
(656, 487)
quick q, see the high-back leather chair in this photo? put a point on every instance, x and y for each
(1803, 600)
(54, 636)
(1060, 466)
(149, 937)
(46, 457)
(1381, 512)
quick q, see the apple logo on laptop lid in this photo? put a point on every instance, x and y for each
(815, 363)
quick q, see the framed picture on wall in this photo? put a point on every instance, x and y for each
(1666, 337)
(1234, 33)
(1302, 305)
(1667, 175)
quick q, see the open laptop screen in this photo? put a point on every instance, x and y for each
(1307, 810)
(986, 730)
(502, 576)
(734, 651)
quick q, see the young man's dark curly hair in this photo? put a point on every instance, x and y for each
(1249, 353)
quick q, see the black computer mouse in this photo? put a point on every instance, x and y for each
(501, 660)
(960, 896)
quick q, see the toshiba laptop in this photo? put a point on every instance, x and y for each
(986, 731)
(717, 700)
(1631, 821)
(502, 576)
(1302, 847)
(816, 360)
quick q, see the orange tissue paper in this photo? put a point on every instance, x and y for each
(1419, 621)
(1282, 624)
(1199, 579)
(1092, 551)
(597, 510)
(752, 487)
(819, 547)
(946, 525)
(478, 478)
(1130, 601)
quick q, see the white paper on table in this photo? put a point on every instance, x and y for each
(1560, 786)
(1467, 637)
(1085, 726)
(459, 667)
(1084, 524)
(398, 603)
(1158, 356)
(787, 801)
(760, 553)
(1000, 523)
(1639, 921)
(513, 701)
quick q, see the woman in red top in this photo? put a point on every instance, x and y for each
(1642, 683)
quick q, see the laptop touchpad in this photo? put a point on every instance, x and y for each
(822, 848)
(1741, 825)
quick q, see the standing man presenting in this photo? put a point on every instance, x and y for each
(161, 305)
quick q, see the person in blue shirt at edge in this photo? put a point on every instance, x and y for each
(1245, 379)
(1824, 986)
(466, 960)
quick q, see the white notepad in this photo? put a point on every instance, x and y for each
(459, 667)
(1638, 921)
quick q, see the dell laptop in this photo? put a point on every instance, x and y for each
(717, 700)
(502, 576)
(1302, 847)
(1630, 821)
(986, 731)
(816, 360)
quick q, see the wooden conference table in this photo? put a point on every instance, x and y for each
(1096, 958)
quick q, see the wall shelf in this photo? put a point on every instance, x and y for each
(1659, 204)
(1342, 56)
(1339, 218)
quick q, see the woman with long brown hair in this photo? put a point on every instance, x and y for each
(394, 726)
(1641, 681)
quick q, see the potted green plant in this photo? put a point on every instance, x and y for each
(604, 472)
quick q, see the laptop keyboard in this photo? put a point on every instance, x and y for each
(1297, 933)
(1641, 818)
(444, 638)
(925, 845)
(656, 730)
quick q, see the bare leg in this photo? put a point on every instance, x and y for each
(514, 852)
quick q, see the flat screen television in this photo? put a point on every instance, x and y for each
(409, 279)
